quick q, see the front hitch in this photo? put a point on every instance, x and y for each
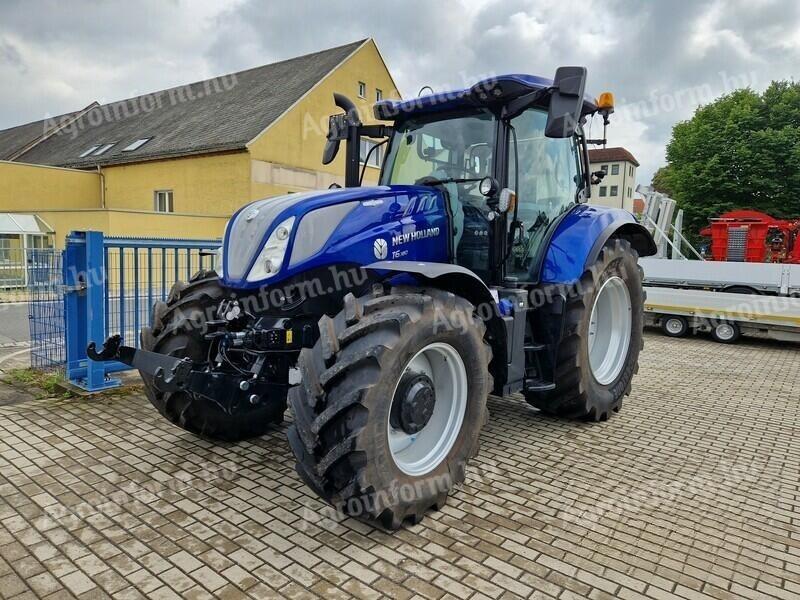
(229, 391)
(169, 374)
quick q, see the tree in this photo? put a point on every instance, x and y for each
(660, 182)
(741, 151)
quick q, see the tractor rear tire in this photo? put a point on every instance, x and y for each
(178, 330)
(344, 434)
(584, 391)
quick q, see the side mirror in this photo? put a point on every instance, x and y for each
(337, 131)
(330, 151)
(339, 127)
(566, 102)
(597, 177)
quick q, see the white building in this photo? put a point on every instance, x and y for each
(618, 186)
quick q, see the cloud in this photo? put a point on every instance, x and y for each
(660, 58)
(9, 55)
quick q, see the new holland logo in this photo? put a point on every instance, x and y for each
(381, 249)
(413, 236)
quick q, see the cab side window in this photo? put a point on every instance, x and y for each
(549, 168)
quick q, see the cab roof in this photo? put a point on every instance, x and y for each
(487, 92)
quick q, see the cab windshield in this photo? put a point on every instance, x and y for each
(455, 152)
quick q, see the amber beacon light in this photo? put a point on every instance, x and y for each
(605, 102)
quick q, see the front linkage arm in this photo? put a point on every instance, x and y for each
(229, 391)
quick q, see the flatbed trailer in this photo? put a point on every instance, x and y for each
(738, 277)
(725, 315)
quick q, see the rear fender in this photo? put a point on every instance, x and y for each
(461, 282)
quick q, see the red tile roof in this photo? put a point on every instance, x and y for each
(610, 154)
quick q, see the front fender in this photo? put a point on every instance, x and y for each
(580, 236)
(446, 276)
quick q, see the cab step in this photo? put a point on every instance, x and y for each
(537, 385)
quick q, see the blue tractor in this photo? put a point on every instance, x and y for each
(386, 315)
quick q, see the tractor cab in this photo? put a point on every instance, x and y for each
(509, 155)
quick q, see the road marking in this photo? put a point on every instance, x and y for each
(13, 354)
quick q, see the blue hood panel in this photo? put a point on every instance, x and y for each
(398, 222)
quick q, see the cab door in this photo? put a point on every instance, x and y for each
(547, 184)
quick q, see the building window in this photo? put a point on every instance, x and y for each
(603, 191)
(136, 145)
(89, 151)
(604, 168)
(163, 201)
(630, 191)
(378, 95)
(614, 191)
(376, 158)
(104, 148)
(630, 170)
(362, 89)
(615, 169)
(5, 248)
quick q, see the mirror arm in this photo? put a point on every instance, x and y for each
(518, 105)
(376, 131)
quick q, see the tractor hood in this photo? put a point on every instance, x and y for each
(271, 240)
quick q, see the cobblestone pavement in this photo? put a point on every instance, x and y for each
(691, 492)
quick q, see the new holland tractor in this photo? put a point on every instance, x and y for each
(385, 315)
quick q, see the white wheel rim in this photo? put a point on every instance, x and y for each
(724, 331)
(610, 330)
(674, 326)
(420, 453)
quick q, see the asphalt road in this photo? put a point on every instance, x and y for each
(15, 329)
(14, 323)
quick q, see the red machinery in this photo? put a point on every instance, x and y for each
(753, 236)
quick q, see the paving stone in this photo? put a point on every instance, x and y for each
(690, 492)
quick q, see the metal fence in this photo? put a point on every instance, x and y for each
(139, 272)
(110, 286)
(45, 291)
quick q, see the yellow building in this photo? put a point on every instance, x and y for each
(179, 162)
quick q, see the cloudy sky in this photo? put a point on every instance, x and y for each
(660, 57)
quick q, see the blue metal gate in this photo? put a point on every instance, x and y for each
(111, 284)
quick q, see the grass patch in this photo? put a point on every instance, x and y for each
(51, 384)
(48, 383)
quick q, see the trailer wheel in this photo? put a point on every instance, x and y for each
(725, 332)
(741, 289)
(674, 326)
(599, 351)
(391, 405)
(178, 331)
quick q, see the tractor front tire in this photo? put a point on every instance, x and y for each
(178, 330)
(599, 351)
(391, 404)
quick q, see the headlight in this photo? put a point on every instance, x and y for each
(269, 261)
